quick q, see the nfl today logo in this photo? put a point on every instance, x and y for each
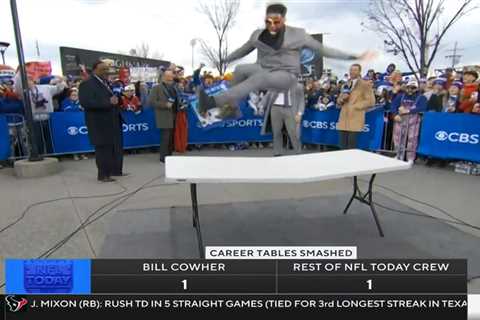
(48, 276)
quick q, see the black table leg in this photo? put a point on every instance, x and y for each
(196, 219)
(357, 194)
(372, 205)
(354, 195)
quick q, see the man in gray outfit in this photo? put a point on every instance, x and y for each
(284, 109)
(277, 67)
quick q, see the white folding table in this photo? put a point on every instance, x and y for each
(287, 169)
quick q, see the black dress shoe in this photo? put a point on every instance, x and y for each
(106, 179)
(121, 174)
(228, 111)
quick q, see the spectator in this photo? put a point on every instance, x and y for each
(422, 85)
(476, 97)
(164, 98)
(52, 88)
(449, 76)
(406, 107)
(383, 95)
(390, 69)
(129, 101)
(141, 92)
(9, 101)
(71, 103)
(313, 92)
(41, 107)
(436, 96)
(371, 75)
(451, 101)
(466, 101)
(354, 106)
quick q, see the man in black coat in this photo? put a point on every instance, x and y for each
(104, 122)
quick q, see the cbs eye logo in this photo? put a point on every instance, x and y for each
(73, 131)
(441, 135)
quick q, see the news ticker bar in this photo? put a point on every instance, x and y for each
(112, 276)
(308, 306)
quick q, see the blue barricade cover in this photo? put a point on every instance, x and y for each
(320, 127)
(450, 136)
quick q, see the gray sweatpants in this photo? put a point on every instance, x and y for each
(252, 77)
(281, 116)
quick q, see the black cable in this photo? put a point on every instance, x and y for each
(87, 221)
(424, 216)
(429, 217)
(24, 213)
(461, 222)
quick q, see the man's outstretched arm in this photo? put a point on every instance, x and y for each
(327, 52)
(241, 52)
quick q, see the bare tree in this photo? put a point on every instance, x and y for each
(143, 51)
(414, 29)
(221, 14)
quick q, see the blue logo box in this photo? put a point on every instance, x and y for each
(48, 276)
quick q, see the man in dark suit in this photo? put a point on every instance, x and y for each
(164, 98)
(104, 122)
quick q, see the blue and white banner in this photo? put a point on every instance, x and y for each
(247, 128)
(320, 127)
(4, 139)
(210, 119)
(70, 134)
(450, 136)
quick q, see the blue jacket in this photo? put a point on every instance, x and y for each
(69, 105)
(11, 106)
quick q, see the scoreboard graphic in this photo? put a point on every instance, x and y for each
(310, 288)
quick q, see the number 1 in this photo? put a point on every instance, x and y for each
(370, 284)
(184, 284)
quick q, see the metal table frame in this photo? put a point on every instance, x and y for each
(366, 198)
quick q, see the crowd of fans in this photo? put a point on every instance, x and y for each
(398, 93)
(404, 97)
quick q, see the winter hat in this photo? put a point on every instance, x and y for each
(458, 84)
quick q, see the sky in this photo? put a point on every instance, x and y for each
(169, 26)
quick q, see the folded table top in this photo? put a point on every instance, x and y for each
(286, 169)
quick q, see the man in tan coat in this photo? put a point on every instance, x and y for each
(354, 100)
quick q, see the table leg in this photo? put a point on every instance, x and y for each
(372, 206)
(357, 194)
(354, 195)
(196, 219)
